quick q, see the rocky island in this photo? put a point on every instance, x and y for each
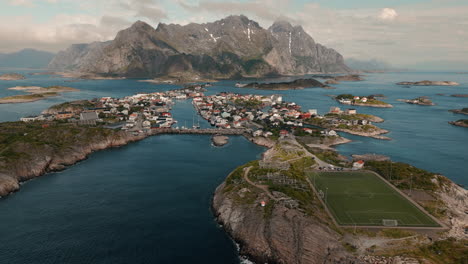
(220, 140)
(35, 93)
(293, 85)
(460, 95)
(422, 100)
(461, 123)
(463, 111)
(270, 207)
(12, 77)
(371, 101)
(429, 83)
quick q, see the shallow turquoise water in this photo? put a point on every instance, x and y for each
(149, 201)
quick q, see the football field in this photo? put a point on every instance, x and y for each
(364, 199)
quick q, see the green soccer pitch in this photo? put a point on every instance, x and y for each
(364, 199)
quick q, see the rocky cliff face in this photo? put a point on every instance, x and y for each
(231, 46)
(284, 236)
(34, 160)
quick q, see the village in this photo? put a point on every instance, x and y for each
(261, 115)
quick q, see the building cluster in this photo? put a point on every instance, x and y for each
(136, 112)
(337, 117)
(230, 110)
(356, 99)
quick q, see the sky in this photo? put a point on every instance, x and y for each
(425, 34)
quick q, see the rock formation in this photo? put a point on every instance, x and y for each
(230, 47)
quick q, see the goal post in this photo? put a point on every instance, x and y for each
(389, 222)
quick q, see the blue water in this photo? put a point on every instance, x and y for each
(149, 201)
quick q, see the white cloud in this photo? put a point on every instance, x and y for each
(24, 3)
(388, 14)
(416, 33)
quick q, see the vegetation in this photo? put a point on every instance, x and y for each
(404, 176)
(21, 142)
(443, 251)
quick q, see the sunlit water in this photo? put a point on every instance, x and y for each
(149, 202)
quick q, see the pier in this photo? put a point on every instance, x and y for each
(208, 131)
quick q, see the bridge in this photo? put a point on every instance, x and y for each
(207, 131)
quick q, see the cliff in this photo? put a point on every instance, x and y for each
(31, 150)
(229, 47)
(278, 234)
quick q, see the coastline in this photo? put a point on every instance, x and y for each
(279, 233)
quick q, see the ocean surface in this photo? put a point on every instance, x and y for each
(149, 202)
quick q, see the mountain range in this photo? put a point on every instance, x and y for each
(371, 65)
(26, 58)
(233, 46)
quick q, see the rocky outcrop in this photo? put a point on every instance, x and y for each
(429, 83)
(34, 160)
(460, 123)
(220, 140)
(11, 77)
(283, 236)
(233, 46)
(293, 85)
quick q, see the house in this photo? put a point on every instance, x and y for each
(313, 112)
(335, 110)
(345, 101)
(146, 124)
(63, 115)
(305, 115)
(358, 165)
(88, 118)
(356, 98)
(364, 99)
(308, 130)
(331, 133)
(257, 133)
(284, 133)
(29, 118)
(133, 117)
(350, 111)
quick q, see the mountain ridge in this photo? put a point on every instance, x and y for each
(232, 46)
(26, 58)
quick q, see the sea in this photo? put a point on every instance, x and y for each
(149, 201)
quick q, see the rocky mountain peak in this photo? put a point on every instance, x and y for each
(231, 46)
(281, 26)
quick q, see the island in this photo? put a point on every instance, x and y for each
(35, 93)
(370, 101)
(463, 111)
(429, 83)
(460, 95)
(12, 77)
(341, 78)
(219, 140)
(180, 78)
(460, 123)
(277, 209)
(272, 206)
(422, 100)
(292, 85)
